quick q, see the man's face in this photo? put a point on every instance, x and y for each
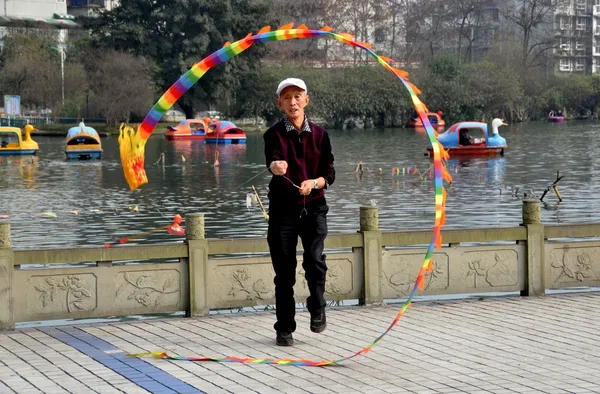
(292, 101)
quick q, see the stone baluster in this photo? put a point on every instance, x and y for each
(7, 319)
(372, 293)
(197, 264)
(535, 283)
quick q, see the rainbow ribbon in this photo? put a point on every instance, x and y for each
(132, 157)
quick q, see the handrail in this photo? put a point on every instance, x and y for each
(82, 254)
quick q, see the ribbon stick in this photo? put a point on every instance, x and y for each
(260, 204)
(132, 144)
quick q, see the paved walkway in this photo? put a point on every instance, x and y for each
(508, 345)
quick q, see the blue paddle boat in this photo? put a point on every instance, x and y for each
(83, 143)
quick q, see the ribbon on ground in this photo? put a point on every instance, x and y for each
(132, 145)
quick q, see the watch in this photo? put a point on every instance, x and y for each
(316, 184)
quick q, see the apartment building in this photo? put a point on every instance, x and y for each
(90, 7)
(577, 37)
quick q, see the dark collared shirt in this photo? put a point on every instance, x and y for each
(308, 155)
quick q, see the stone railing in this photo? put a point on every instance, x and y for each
(368, 266)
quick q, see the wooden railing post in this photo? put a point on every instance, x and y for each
(7, 317)
(535, 285)
(197, 264)
(372, 292)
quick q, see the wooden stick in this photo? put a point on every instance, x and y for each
(260, 204)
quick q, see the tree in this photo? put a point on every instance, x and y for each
(31, 69)
(534, 21)
(175, 34)
(120, 85)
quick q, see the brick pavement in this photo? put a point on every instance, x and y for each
(497, 345)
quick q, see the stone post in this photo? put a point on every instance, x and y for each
(535, 284)
(7, 318)
(197, 264)
(372, 293)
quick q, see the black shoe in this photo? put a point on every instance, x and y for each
(318, 323)
(284, 339)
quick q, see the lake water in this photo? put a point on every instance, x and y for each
(93, 203)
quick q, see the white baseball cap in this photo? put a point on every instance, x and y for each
(291, 82)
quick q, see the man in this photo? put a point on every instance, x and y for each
(298, 154)
(464, 138)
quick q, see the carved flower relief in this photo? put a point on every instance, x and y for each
(147, 290)
(574, 266)
(402, 281)
(71, 289)
(332, 281)
(500, 272)
(254, 289)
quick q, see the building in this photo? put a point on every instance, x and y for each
(577, 37)
(371, 21)
(90, 7)
(35, 14)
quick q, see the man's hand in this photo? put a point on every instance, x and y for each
(306, 187)
(278, 167)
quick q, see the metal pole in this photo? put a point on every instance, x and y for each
(62, 73)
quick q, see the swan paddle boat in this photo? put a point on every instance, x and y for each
(12, 144)
(225, 132)
(189, 129)
(467, 145)
(83, 143)
(435, 118)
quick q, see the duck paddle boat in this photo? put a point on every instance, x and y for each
(225, 132)
(83, 143)
(435, 118)
(189, 129)
(12, 143)
(460, 140)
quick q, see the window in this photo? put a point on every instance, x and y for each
(580, 5)
(565, 65)
(580, 65)
(581, 23)
(380, 34)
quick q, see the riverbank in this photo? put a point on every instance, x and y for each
(60, 130)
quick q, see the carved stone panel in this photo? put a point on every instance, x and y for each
(339, 278)
(490, 268)
(254, 281)
(242, 282)
(400, 272)
(573, 266)
(57, 294)
(152, 289)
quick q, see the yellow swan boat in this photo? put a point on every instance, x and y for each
(13, 144)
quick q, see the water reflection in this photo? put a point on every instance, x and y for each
(183, 179)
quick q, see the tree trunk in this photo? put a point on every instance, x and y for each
(187, 107)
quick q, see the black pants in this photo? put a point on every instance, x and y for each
(285, 225)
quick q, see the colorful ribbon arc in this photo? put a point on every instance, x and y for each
(132, 145)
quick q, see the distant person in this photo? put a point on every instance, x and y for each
(464, 138)
(298, 154)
